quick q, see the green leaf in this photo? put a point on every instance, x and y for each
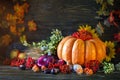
(99, 29)
(110, 2)
(100, 12)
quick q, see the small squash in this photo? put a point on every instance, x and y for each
(78, 68)
(88, 71)
(35, 68)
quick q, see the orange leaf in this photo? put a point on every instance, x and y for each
(20, 30)
(13, 29)
(25, 7)
(32, 26)
(11, 18)
(5, 40)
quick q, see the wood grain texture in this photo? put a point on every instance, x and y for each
(65, 15)
(13, 73)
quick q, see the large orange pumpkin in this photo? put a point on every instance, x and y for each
(75, 50)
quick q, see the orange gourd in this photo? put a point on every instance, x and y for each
(80, 48)
(88, 71)
(35, 68)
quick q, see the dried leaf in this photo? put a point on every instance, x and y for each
(5, 40)
(11, 18)
(110, 2)
(25, 6)
(18, 8)
(19, 12)
(100, 12)
(23, 38)
(104, 6)
(20, 30)
(100, 28)
(13, 29)
(32, 26)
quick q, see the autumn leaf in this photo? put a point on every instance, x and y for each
(23, 38)
(117, 37)
(18, 8)
(5, 40)
(99, 29)
(19, 12)
(32, 26)
(25, 6)
(21, 30)
(11, 19)
(13, 29)
(110, 2)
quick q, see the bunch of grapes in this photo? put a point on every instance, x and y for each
(93, 64)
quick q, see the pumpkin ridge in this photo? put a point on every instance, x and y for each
(60, 46)
(90, 52)
(100, 49)
(95, 49)
(67, 50)
(78, 52)
(85, 52)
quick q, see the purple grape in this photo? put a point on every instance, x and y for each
(54, 71)
(22, 67)
(47, 71)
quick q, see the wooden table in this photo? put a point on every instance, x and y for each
(13, 73)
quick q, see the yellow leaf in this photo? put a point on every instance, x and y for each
(23, 38)
(11, 18)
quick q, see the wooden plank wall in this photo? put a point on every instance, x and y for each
(65, 15)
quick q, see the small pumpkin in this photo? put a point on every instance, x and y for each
(43, 68)
(81, 47)
(35, 68)
(88, 71)
(78, 68)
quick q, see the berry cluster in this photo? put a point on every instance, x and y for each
(17, 62)
(93, 64)
(29, 62)
(84, 35)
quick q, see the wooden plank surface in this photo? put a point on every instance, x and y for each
(13, 73)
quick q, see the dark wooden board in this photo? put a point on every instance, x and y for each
(13, 73)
